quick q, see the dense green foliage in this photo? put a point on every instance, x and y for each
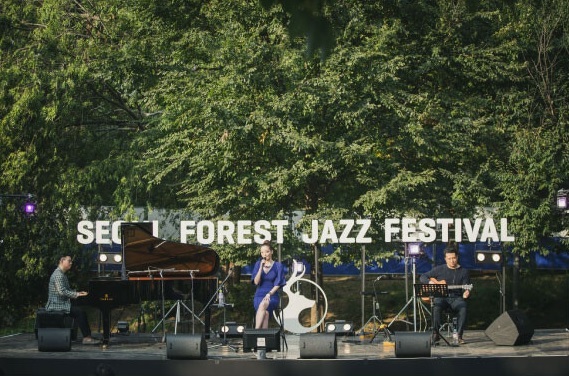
(246, 109)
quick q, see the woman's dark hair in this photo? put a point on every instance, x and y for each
(268, 244)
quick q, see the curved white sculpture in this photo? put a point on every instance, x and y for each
(298, 303)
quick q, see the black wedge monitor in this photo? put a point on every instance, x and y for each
(267, 339)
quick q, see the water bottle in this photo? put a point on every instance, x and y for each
(454, 332)
(220, 298)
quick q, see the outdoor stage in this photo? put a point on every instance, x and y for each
(143, 354)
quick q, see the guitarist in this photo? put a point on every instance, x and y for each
(450, 273)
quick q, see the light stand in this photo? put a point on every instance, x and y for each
(495, 257)
(412, 300)
(412, 251)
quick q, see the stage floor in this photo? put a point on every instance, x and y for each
(546, 354)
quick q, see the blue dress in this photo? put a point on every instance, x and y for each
(274, 277)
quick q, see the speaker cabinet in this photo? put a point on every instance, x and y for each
(511, 328)
(318, 345)
(267, 339)
(55, 319)
(54, 339)
(412, 344)
(186, 346)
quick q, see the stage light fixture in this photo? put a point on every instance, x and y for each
(232, 329)
(110, 258)
(413, 249)
(339, 327)
(29, 208)
(122, 327)
(562, 199)
(488, 257)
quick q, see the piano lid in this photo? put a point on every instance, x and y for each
(143, 251)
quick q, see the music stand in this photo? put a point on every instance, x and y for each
(178, 304)
(432, 291)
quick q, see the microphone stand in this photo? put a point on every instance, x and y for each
(216, 292)
(210, 301)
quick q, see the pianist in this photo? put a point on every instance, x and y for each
(60, 295)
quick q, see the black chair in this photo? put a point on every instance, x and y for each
(280, 314)
(55, 319)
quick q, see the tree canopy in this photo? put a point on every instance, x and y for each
(257, 109)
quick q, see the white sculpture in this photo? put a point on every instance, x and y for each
(298, 303)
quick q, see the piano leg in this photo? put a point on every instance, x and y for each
(106, 316)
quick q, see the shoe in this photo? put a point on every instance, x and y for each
(89, 341)
(436, 338)
(461, 341)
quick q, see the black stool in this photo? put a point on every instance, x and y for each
(55, 319)
(448, 324)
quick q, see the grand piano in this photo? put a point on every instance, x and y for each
(155, 269)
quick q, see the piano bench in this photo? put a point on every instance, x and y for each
(55, 319)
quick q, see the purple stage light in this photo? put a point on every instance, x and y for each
(29, 208)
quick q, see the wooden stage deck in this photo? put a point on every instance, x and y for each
(143, 354)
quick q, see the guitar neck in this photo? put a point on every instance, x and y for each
(465, 287)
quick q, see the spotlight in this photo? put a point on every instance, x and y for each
(232, 330)
(562, 199)
(413, 249)
(340, 327)
(29, 208)
(488, 257)
(110, 258)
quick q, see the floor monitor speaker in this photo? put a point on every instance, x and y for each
(412, 344)
(186, 346)
(318, 346)
(511, 328)
(54, 339)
